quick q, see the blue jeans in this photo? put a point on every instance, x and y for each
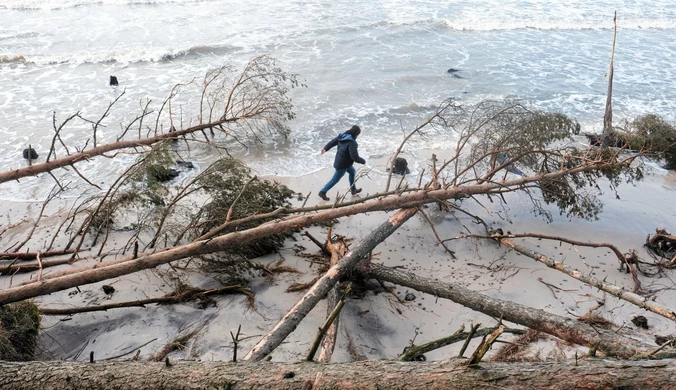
(337, 176)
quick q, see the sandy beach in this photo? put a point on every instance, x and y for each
(375, 325)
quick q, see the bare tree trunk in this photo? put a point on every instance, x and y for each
(608, 116)
(587, 374)
(638, 300)
(564, 328)
(34, 255)
(192, 293)
(291, 319)
(337, 251)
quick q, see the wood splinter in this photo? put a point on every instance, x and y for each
(484, 347)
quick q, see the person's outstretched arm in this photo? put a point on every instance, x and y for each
(331, 144)
(354, 153)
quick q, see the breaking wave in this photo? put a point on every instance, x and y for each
(119, 56)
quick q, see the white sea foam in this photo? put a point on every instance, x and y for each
(380, 64)
(126, 56)
(559, 25)
(61, 4)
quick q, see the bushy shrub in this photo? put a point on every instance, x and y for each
(19, 325)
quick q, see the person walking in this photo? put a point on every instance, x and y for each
(346, 156)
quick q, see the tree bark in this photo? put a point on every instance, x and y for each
(564, 328)
(588, 374)
(291, 319)
(34, 255)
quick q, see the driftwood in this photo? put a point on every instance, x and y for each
(322, 331)
(16, 266)
(34, 255)
(570, 330)
(100, 264)
(184, 296)
(485, 345)
(365, 375)
(411, 352)
(291, 319)
(619, 292)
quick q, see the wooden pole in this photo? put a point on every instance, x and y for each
(608, 117)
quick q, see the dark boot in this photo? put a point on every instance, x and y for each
(356, 191)
(323, 196)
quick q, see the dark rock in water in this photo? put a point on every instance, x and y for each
(453, 70)
(594, 140)
(113, 81)
(609, 138)
(185, 164)
(409, 297)
(166, 174)
(400, 166)
(108, 289)
(30, 153)
(640, 321)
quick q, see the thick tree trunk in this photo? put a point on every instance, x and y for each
(236, 239)
(291, 319)
(588, 374)
(564, 328)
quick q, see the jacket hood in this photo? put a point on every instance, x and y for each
(343, 137)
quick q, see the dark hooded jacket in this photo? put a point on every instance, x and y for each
(347, 153)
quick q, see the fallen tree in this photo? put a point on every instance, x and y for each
(584, 374)
(234, 239)
(564, 328)
(258, 93)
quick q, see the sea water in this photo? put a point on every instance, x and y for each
(380, 64)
